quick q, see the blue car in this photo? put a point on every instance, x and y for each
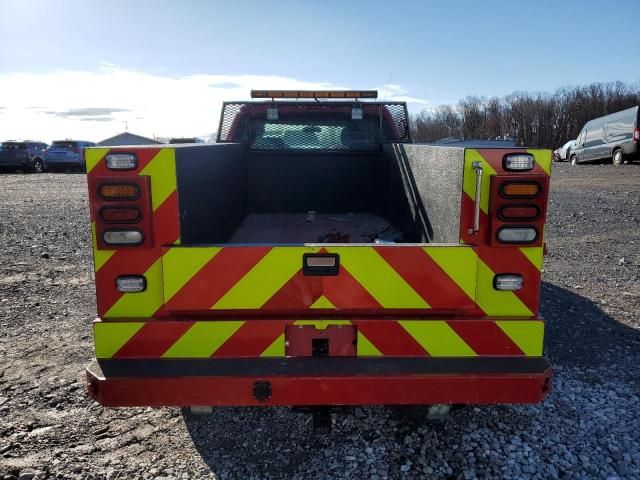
(66, 155)
(24, 155)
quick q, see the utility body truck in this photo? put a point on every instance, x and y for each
(315, 257)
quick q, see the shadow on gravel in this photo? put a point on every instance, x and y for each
(579, 334)
(279, 443)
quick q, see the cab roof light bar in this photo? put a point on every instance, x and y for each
(314, 94)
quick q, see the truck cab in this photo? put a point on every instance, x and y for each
(315, 256)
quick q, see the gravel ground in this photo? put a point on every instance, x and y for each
(588, 427)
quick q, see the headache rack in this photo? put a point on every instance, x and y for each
(238, 119)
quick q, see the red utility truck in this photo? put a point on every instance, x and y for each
(314, 256)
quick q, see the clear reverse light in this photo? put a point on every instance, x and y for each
(121, 161)
(508, 281)
(131, 283)
(518, 162)
(517, 235)
(122, 237)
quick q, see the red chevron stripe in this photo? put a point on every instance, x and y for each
(390, 338)
(252, 338)
(216, 278)
(166, 226)
(426, 277)
(153, 339)
(344, 292)
(485, 337)
(298, 293)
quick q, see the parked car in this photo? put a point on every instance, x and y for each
(615, 137)
(22, 155)
(563, 153)
(66, 154)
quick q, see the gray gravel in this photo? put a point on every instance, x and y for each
(588, 427)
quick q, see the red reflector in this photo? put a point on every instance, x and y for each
(119, 191)
(519, 213)
(120, 214)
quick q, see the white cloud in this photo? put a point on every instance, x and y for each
(96, 105)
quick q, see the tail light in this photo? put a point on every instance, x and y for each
(636, 134)
(122, 211)
(508, 282)
(75, 149)
(131, 283)
(517, 235)
(520, 189)
(122, 237)
(120, 214)
(121, 161)
(517, 209)
(518, 162)
(119, 191)
(522, 212)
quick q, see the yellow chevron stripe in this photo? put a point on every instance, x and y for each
(469, 179)
(181, 264)
(495, 302)
(437, 338)
(276, 349)
(322, 302)
(543, 158)
(100, 257)
(527, 334)
(202, 339)
(162, 169)
(460, 263)
(92, 157)
(265, 279)
(110, 337)
(365, 348)
(143, 304)
(378, 277)
(534, 254)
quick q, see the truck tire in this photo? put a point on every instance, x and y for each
(38, 166)
(574, 160)
(616, 159)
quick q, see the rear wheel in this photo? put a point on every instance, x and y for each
(574, 160)
(617, 157)
(38, 166)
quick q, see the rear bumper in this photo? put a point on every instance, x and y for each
(318, 381)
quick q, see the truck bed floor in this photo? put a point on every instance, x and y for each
(309, 228)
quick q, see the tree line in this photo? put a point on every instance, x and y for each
(530, 119)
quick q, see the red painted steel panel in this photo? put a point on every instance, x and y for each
(345, 390)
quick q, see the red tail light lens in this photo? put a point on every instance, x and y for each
(518, 190)
(120, 214)
(527, 212)
(636, 134)
(121, 191)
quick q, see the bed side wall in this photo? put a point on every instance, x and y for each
(425, 185)
(212, 191)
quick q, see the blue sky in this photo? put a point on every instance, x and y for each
(435, 52)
